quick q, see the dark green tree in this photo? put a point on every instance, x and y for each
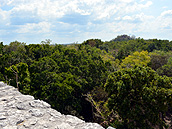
(140, 97)
(166, 69)
(123, 38)
(18, 76)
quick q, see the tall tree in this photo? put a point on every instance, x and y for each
(139, 96)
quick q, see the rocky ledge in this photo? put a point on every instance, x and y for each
(18, 111)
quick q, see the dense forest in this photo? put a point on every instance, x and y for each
(125, 82)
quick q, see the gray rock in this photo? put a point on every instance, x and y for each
(110, 127)
(30, 122)
(10, 127)
(72, 120)
(64, 126)
(3, 124)
(36, 112)
(2, 117)
(18, 111)
(54, 113)
(89, 126)
(20, 121)
(6, 98)
(39, 104)
(22, 106)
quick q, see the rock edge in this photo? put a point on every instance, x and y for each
(18, 111)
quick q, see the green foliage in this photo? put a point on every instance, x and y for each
(139, 95)
(158, 59)
(163, 45)
(14, 46)
(18, 76)
(72, 77)
(36, 51)
(123, 38)
(66, 75)
(138, 58)
(1, 61)
(166, 69)
(93, 42)
(121, 49)
(1, 48)
(14, 53)
(1, 77)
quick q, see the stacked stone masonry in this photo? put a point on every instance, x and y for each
(18, 111)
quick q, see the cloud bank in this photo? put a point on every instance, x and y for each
(69, 21)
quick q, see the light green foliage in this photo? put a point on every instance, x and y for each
(107, 56)
(139, 95)
(138, 58)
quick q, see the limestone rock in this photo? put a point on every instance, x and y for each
(110, 127)
(18, 111)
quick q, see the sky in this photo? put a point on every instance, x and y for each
(74, 21)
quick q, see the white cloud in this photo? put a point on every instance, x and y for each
(44, 9)
(138, 18)
(117, 18)
(149, 3)
(105, 12)
(153, 27)
(42, 27)
(165, 20)
(127, 18)
(127, 1)
(136, 7)
(82, 19)
(166, 13)
(4, 16)
(47, 9)
(165, 7)
(91, 2)
(52, 9)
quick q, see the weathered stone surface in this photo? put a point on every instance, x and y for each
(110, 127)
(2, 117)
(10, 127)
(18, 111)
(88, 126)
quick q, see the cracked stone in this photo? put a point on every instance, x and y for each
(2, 117)
(18, 111)
(30, 122)
(36, 112)
(19, 122)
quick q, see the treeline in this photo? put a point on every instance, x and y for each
(124, 83)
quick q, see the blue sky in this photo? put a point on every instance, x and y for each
(69, 21)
